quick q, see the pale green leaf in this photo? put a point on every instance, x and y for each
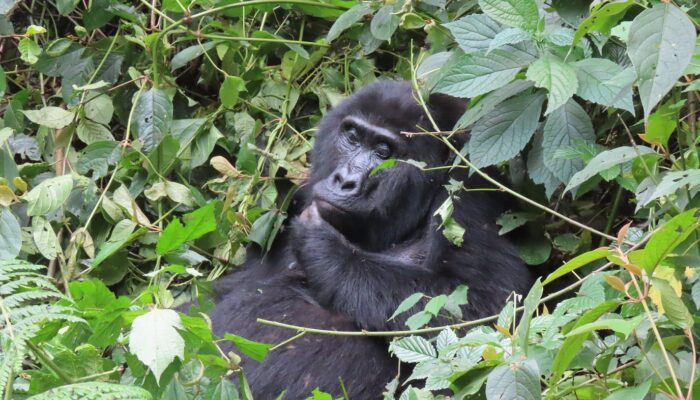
(568, 125)
(413, 349)
(487, 103)
(508, 36)
(52, 117)
(555, 75)
(10, 235)
(516, 381)
(606, 160)
(674, 180)
(476, 74)
(45, 238)
(596, 84)
(155, 340)
(384, 23)
(90, 132)
(94, 390)
(517, 13)
(48, 195)
(660, 45)
(407, 304)
(100, 109)
(347, 19)
(631, 393)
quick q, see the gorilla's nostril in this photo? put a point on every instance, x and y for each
(348, 185)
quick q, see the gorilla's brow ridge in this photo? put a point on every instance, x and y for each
(377, 130)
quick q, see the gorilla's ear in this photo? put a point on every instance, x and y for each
(446, 110)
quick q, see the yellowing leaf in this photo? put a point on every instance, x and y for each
(667, 274)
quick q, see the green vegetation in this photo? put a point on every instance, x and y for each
(145, 143)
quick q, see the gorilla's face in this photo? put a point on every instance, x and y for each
(378, 209)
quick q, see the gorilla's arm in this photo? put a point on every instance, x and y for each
(364, 285)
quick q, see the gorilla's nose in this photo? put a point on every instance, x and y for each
(346, 182)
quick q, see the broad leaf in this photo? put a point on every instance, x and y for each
(51, 117)
(119, 238)
(558, 77)
(578, 262)
(347, 19)
(198, 223)
(490, 101)
(518, 13)
(673, 306)
(476, 74)
(596, 83)
(666, 239)
(255, 350)
(155, 340)
(508, 36)
(10, 235)
(603, 18)
(94, 390)
(631, 393)
(100, 109)
(384, 23)
(48, 195)
(230, 89)
(474, 32)
(502, 133)
(660, 45)
(407, 304)
(672, 181)
(516, 381)
(606, 160)
(152, 118)
(413, 349)
(45, 238)
(566, 126)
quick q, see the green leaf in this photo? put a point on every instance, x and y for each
(48, 195)
(555, 75)
(255, 350)
(475, 74)
(390, 163)
(29, 50)
(413, 349)
(660, 45)
(532, 300)
(672, 181)
(517, 13)
(578, 262)
(155, 340)
(435, 305)
(666, 239)
(230, 89)
(177, 192)
(487, 103)
(198, 223)
(65, 7)
(92, 132)
(502, 133)
(511, 220)
(573, 343)
(621, 326)
(97, 157)
(10, 235)
(120, 236)
(508, 36)
(606, 160)
(347, 19)
(152, 118)
(566, 126)
(45, 238)
(596, 83)
(673, 306)
(602, 19)
(661, 124)
(3, 82)
(407, 304)
(384, 23)
(94, 390)
(100, 109)
(418, 320)
(631, 393)
(190, 53)
(474, 32)
(52, 117)
(516, 381)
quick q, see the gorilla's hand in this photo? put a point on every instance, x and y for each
(310, 216)
(314, 239)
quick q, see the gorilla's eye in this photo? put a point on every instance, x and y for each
(382, 150)
(353, 137)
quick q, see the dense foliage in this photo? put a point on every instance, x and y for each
(144, 144)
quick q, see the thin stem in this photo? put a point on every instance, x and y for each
(47, 361)
(262, 40)
(693, 363)
(286, 342)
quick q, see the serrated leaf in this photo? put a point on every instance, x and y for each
(596, 84)
(516, 381)
(502, 133)
(487, 103)
(198, 223)
(555, 75)
(94, 390)
(661, 43)
(473, 32)
(517, 13)
(48, 195)
(384, 23)
(10, 235)
(577, 262)
(475, 74)
(606, 160)
(508, 36)
(155, 340)
(566, 126)
(45, 238)
(413, 349)
(536, 168)
(418, 320)
(347, 19)
(152, 118)
(51, 117)
(407, 304)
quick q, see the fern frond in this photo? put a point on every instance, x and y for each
(14, 300)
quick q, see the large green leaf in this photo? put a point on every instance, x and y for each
(516, 381)
(596, 83)
(45, 238)
(603, 17)
(502, 133)
(490, 101)
(666, 239)
(52, 117)
(384, 23)
(536, 168)
(10, 235)
(566, 126)
(152, 118)
(413, 349)
(518, 13)
(476, 74)
(660, 45)
(155, 340)
(197, 223)
(100, 109)
(474, 32)
(555, 75)
(607, 160)
(48, 195)
(673, 306)
(347, 19)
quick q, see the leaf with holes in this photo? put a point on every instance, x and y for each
(152, 118)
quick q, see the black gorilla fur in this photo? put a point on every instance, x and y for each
(363, 244)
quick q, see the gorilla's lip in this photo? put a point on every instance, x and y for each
(328, 206)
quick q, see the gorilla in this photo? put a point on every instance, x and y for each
(358, 242)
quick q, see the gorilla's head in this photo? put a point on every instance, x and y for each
(381, 209)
